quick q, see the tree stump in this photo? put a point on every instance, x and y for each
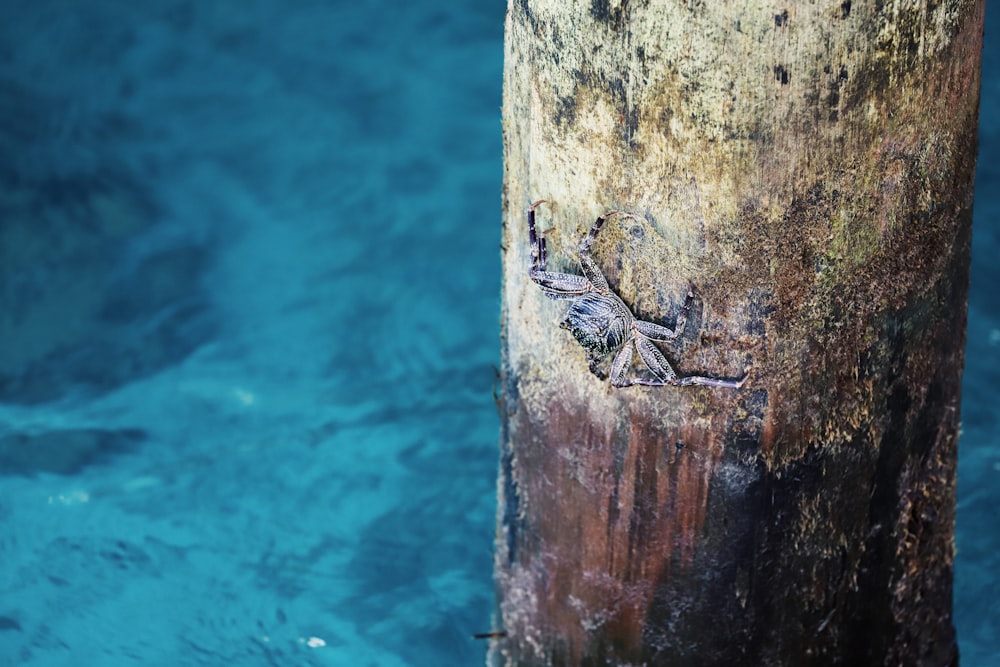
(808, 170)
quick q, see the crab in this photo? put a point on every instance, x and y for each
(602, 323)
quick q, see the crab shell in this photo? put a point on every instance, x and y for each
(599, 322)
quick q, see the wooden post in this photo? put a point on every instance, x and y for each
(808, 168)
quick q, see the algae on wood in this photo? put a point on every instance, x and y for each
(809, 169)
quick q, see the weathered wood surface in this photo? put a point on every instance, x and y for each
(808, 168)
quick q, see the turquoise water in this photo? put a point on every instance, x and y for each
(291, 458)
(250, 417)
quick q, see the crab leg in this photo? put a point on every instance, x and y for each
(554, 285)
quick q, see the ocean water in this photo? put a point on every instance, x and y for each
(246, 372)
